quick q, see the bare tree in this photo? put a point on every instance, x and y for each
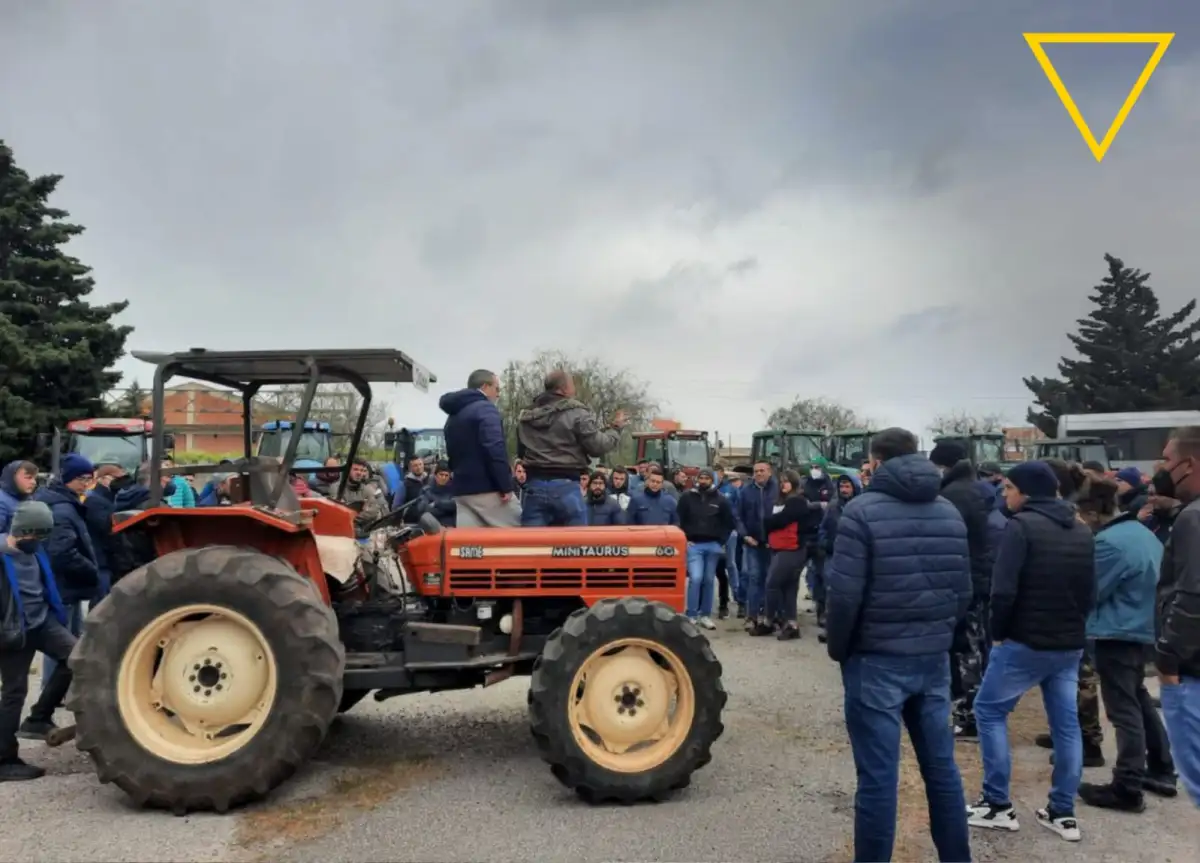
(960, 423)
(817, 414)
(337, 404)
(599, 386)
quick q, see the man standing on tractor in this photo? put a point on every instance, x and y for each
(557, 436)
(481, 479)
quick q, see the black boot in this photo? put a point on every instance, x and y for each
(16, 770)
(1111, 797)
(1092, 756)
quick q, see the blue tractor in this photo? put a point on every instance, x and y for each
(316, 442)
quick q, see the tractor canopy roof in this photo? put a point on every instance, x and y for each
(852, 433)
(243, 369)
(1067, 441)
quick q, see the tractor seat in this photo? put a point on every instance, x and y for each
(263, 478)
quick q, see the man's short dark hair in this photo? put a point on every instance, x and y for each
(893, 443)
(362, 462)
(654, 470)
(1187, 441)
(27, 467)
(480, 378)
(556, 380)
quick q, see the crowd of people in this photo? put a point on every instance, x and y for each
(951, 592)
(945, 590)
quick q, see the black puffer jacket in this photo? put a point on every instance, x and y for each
(1044, 579)
(960, 487)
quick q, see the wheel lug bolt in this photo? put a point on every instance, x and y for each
(195, 689)
(223, 674)
(218, 686)
(617, 699)
(208, 662)
(207, 693)
(192, 679)
(632, 712)
(636, 693)
(195, 667)
(620, 710)
(641, 703)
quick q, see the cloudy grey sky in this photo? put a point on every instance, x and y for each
(880, 201)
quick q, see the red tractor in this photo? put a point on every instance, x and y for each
(212, 672)
(675, 450)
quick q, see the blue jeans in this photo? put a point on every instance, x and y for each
(75, 625)
(731, 569)
(756, 560)
(553, 503)
(702, 560)
(1181, 715)
(1014, 669)
(883, 693)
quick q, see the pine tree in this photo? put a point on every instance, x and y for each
(56, 346)
(134, 402)
(1130, 357)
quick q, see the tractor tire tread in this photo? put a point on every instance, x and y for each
(302, 632)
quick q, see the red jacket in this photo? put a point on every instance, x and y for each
(783, 527)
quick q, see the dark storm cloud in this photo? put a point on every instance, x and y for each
(342, 173)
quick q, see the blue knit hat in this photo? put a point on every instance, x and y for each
(1131, 475)
(1034, 479)
(74, 466)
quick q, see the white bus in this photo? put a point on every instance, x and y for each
(1134, 438)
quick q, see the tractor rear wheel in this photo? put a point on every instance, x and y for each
(625, 701)
(206, 678)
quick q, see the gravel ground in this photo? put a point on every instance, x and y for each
(454, 777)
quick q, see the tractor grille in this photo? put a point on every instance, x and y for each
(606, 578)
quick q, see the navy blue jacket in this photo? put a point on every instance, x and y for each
(754, 504)
(604, 512)
(475, 444)
(900, 577)
(69, 546)
(98, 508)
(438, 501)
(646, 508)
(827, 532)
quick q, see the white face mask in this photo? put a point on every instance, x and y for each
(815, 473)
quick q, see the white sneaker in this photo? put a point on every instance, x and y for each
(706, 622)
(990, 817)
(1064, 825)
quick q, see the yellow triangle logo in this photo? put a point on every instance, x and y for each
(1038, 40)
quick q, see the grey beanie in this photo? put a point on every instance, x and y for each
(31, 517)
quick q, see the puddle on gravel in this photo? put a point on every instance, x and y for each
(269, 827)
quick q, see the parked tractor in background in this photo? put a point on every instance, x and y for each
(675, 450)
(211, 674)
(794, 449)
(123, 442)
(1076, 449)
(980, 447)
(849, 447)
(402, 445)
(315, 446)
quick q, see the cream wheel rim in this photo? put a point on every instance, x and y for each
(631, 705)
(196, 684)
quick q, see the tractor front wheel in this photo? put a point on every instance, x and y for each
(625, 701)
(206, 678)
